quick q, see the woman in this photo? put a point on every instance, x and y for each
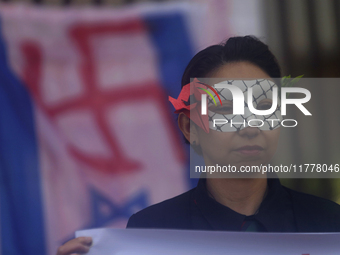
(233, 204)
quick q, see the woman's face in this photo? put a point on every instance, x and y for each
(246, 147)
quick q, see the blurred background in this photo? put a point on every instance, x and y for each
(87, 135)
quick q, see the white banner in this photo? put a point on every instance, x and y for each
(177, 242)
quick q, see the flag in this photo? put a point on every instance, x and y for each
(87, 135)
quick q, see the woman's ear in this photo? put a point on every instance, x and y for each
(188, 128)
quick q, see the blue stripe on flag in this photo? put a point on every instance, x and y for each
(22, 228)
(174, 48)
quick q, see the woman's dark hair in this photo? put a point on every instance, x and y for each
(235, 49)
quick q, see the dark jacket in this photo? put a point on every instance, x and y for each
(283, 210)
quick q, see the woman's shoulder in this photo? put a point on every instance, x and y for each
(314, 202)
(172, 213)
(315, 214)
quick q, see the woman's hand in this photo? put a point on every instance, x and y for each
(79, 245)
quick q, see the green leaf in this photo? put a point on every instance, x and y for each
(286, 81)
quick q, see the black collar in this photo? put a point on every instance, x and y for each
(275, 213)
